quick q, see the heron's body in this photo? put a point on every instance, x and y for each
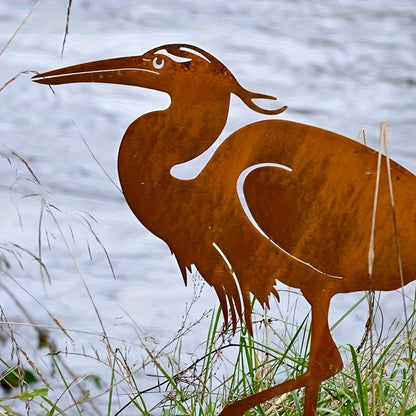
(278, 200)
(292, 207)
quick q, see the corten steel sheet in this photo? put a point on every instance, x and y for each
(303, 215)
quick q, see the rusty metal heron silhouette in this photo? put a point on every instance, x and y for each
(278, 200)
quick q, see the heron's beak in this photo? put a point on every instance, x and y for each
(132, 70)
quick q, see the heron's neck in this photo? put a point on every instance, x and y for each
(157, 141)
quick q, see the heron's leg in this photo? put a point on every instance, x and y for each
(324, 362)
(239, 407)
(324, 357)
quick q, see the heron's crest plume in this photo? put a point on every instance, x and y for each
(190, 52)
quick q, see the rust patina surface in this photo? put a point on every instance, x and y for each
(278, 200)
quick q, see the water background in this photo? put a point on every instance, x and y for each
(339, 65)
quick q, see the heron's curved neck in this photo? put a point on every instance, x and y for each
(157, 141)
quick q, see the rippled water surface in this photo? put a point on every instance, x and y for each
(340, 65)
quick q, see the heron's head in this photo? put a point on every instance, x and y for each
(176, 69)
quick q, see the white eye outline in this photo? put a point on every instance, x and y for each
(156, 64)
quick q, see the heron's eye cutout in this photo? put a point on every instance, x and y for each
(158, 62)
